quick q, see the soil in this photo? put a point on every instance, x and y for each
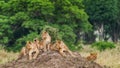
(52, 59)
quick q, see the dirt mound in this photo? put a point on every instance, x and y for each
(52, 59)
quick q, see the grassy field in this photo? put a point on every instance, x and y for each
(6, 56)
(107, 58)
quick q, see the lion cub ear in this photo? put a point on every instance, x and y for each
(45, 38)
(28, 42)
(35, 39)
(44, 32)
(59, 41)
(91, 53)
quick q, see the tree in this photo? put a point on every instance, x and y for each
(102, 13)
(25, 19)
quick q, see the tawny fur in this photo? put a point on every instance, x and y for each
(46, 39)
(32, 48)
(92, 57)
(60, 46)
(23, 52)
(41, 44)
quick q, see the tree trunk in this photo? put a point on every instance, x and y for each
(101, 32)
(115, 34)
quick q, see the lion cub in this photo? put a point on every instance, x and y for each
(41, 45)
(92, 57)
(46, 39)
(60, 46)
(29, 49)
(32, 48)
(23, 52)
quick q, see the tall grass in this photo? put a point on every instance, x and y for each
(6, 56)
(109, 58)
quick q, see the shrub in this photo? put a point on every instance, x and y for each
(102, 45)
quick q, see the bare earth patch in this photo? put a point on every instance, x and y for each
(52, 59)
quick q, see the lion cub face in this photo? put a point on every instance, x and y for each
(28, 45)
(36, 42)
(92, 57)
(45, 35)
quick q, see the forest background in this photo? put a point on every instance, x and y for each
(75, 22)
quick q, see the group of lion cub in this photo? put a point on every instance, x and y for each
(44, 44)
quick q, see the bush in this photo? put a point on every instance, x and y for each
(75, 47)
(102, 45)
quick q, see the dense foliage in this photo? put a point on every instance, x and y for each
(102, 45)
(22, 20)
(70, 20)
